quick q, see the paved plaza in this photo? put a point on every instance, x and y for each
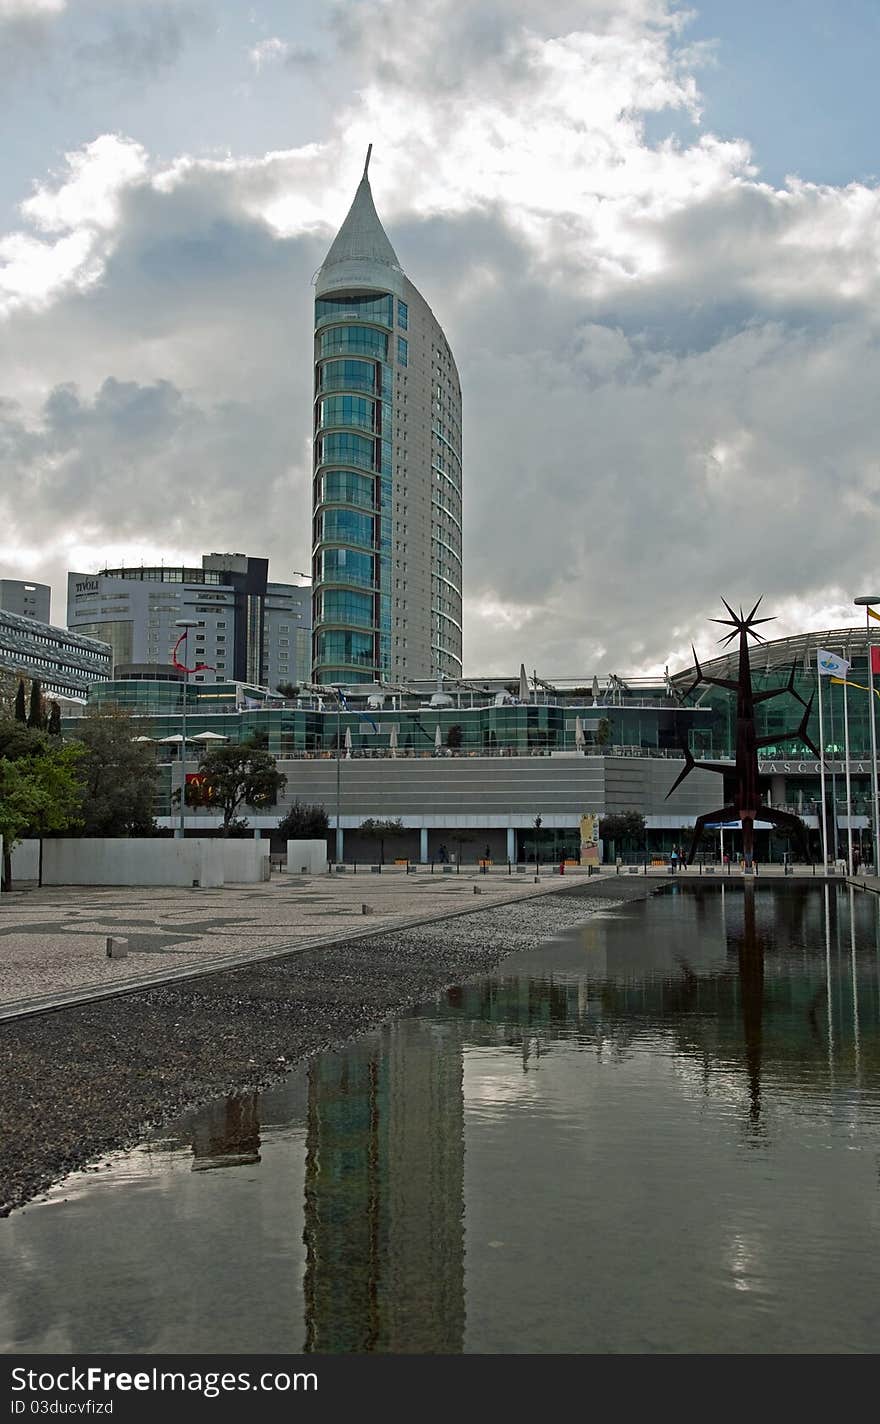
(53, 941)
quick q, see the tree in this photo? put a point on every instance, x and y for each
(236, 776)
(603, 732)
(378, 830)
(20, 703)
(118, 774)
(453, 736)
(36, 717)
(304, 823)
(54, 727)
(287, 689)
(40, 789)
(623, 826)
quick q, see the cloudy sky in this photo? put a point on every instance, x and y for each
(650, 232)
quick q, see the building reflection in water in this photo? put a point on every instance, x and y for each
(384, 1194)
(225, 1134)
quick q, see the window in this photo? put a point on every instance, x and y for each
(367, 308)
(402, 315)
(346, 487)
(356, 340)
(347, 376)
(345, 527)
(345, 449)
(343, 607)
(347, 410)
(283, 627)
(221, 637)
(347, 566)
(402, 350)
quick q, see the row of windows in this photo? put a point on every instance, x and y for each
(339, 646)
(343, 526)
(366, 307)
(345, 487)
(347, 410)
(354, 340)
(402, 351)
(340, 606)
(347, 376)
(343, 449)
(347, 566)
(402, 315)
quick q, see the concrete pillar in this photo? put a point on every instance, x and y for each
(511, 843)
(258, 834)
(777, 790)
(340, 834)
(423, 845)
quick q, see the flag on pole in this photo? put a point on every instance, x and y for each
(871, 614)
(875, 659)
(831, 664)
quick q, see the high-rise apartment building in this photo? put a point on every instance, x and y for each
(248, 629)
(387, 536)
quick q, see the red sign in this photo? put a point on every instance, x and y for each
(875, 659)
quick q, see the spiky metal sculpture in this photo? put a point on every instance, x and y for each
(746, 805)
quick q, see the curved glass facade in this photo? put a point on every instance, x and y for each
(387, 468)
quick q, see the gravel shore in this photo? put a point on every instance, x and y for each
(87, 1079)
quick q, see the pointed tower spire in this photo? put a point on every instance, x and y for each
(360, 254)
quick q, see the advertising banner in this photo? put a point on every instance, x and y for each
(589, 839)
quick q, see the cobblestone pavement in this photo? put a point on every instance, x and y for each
(53, 941)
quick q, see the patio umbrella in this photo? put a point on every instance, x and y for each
(175, 739)
(348, 741)
(392, 739)
(595, 689)
(208, 737)
(523, 684)
(438, 738)
(142, 739)
(579, 733)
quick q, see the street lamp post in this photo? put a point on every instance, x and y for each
(866, 601)
(185, 624)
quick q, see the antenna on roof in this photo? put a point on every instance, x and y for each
(367, 164)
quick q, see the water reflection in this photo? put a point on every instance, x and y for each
(659, 1131)
(226, 1133)
(384, 1195)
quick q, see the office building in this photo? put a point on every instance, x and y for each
(31, 600)
(387, 495)
(249, 630)
(65, 664)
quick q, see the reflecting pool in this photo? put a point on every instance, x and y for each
(658, 1132)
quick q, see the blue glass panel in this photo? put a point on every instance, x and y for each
(343, 449)
(343, 526)
(358, 340)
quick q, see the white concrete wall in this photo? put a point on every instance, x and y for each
(310, 856)
(136, 860)
(245, 862)
(26, 861)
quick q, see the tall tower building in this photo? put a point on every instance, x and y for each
(387, 536)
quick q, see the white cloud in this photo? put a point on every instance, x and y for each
(271, 51)
(28, 9)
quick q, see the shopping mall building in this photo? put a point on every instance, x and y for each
(473, 765)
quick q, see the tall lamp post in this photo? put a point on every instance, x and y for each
(185, 624)
(866, 601)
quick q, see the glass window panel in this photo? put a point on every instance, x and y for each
(345, 527)
(367, 307)
(358, 340)
(345, 487)
(344, 449)
(348, 376)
